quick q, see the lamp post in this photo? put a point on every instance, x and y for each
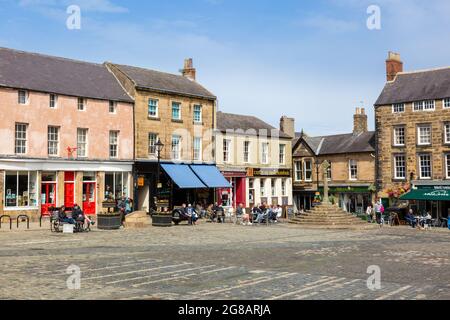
(159, 146)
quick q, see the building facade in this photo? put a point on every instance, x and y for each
(179, 112)
(67, 134)
(413, 138)
(351, 176)
(256, 159)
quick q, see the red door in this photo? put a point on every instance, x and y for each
(89, 198)
(48, 197)
(69, 195)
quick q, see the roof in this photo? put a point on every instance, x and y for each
(229, 121)
(416, 86)
(164, 82)
(42, 73)
(341, 143)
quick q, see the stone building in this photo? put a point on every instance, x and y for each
(179, 112)
(413, 137)
(67, 134)
(351, 175)
(256, 158)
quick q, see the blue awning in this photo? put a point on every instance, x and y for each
(183, 176)
(211, 176)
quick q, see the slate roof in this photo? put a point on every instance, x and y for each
(341, 143)
(165, 82)
(416, 86)
(229, 121)
(43, 73)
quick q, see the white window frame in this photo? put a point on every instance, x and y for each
(396, 136)
(125, 183)
(226, 150)
(176, 147)
(37, 191)
(447, 133)
(81, 104)
(396, 166)
(156, 108)
(80, 133)
(298, 171)
(273, 187)
(446, 103)
(26, 96)
(197, 149)
(200, 107)
(420, 166)
(424, 105)
(53, 99)
(114, 144)
(152, 152)
(21, 138)
(179, 110)
(283, 187)
(52, 144)
(419, 136)
(398, 108)
(247, 145)
(353, 168)
(113, 105)
(282, 154)
(306, 170)
(265, 152)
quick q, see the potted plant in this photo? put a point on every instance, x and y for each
(109, 221)
(162, 217)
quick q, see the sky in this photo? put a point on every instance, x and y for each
(314, 60)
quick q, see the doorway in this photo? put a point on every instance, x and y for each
(89, 198)
(48, 197)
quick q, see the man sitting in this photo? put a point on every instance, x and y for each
(411, 219)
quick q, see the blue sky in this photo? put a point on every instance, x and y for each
(313, 60)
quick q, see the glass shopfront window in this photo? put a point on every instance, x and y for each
(20, 189)
(116, 184)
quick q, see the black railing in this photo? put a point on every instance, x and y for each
(10, 221)
(23, 217)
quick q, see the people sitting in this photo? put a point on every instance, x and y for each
(411, 219)
(63, 216)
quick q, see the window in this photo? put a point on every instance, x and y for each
(398, 108)
(246, 151)
(176, 147)
(447, 133)
(263, 188)
(81, 104)
(82, 142)
(273, 187)
(265, 153)
(116, 185)
(113, 144)
(53, 101)
(197, 149)
(298, 171)
(282, 154)
(112, 107)
(399, 136)
(226, 150)
(23, 97)
(308, 170)
(399, 167)
(251, 190)
(21, 138)
(447, 165)
(353, 168)
(20, 189)
(424, 135)
(53, 141)
(329, 171)
(153, 108)
(197, 113)
(283, 187)
(427, 105)
(447, 103)
(176, 111)
(152, 139)
(425, 166)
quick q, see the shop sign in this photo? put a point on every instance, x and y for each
(141, 181)
(262, 172)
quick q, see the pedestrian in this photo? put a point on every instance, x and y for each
(369, 213)
(378, 211)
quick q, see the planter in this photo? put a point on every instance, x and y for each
(109, 222)
(161, 220)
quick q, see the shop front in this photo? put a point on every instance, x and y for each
(237, 194)
(433, 199)
(353, 199)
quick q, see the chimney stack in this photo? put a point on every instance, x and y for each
(287, 126)
(189, 70)
(394, 65)
(360, 121)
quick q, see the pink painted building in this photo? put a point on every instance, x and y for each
(66, 130)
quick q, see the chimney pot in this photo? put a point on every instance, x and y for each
(189, 71)
(360, 121)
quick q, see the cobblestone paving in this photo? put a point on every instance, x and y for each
(226, 262)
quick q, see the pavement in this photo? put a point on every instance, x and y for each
(226, 261)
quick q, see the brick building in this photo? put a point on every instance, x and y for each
(413, 137)
(256, 158)
(67, 134)
(352, 172)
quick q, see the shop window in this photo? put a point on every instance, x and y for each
(89, 176)
(116, 184)
(48, 176)
(20, 189)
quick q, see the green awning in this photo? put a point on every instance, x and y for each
(427, 194)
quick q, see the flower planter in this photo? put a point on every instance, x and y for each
(161, 220)
(109, 222)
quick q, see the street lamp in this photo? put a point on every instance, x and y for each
(159, 146)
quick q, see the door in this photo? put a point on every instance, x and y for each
(89, 197)
(69, 194)
(48, 197)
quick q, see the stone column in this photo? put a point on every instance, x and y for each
(325, 167)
